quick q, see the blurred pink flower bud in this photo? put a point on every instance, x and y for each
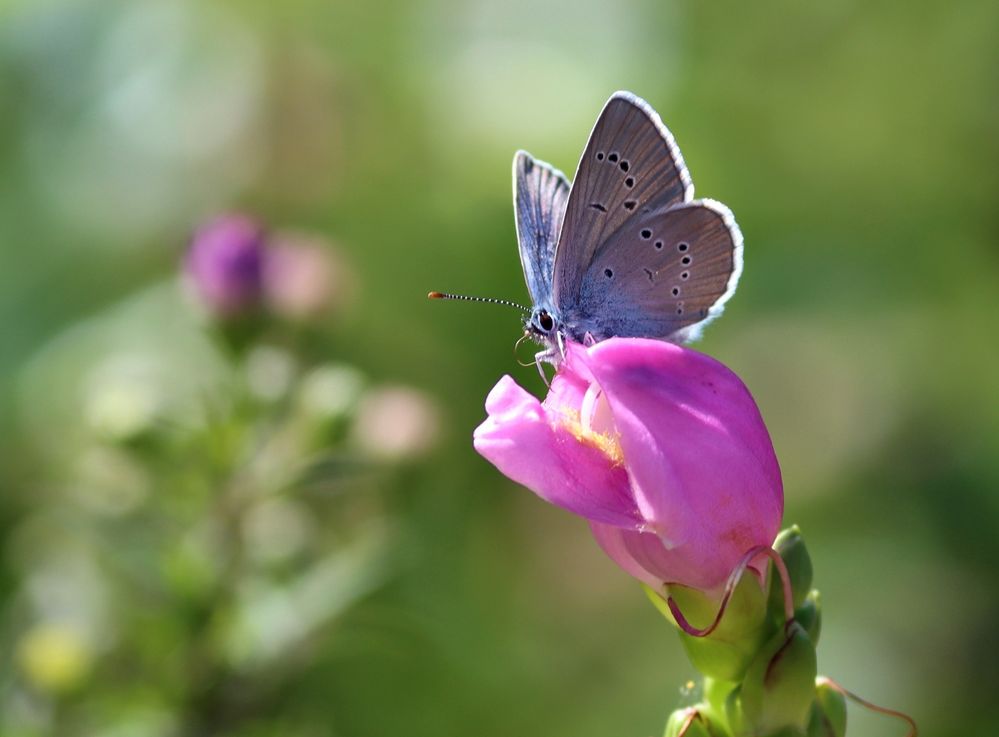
(660, 447)
(304, 277)
(397, 423)
(225, 264)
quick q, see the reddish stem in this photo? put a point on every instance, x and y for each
(733, 580)
(913, 729)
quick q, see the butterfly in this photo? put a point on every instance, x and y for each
(625, 250)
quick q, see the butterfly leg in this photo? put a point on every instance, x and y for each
(539, 357)
(560, 337)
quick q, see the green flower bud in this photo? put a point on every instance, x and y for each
(791, 547)
(779, 686)
(809, 616)
(694, 722)
(744, 628)
(740, 725)
(828, 715)
(716, 693)
(734, 715)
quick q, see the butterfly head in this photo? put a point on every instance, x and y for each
(543, 325)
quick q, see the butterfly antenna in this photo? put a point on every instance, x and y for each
(492, 300)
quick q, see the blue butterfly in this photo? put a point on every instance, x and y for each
(625, 250)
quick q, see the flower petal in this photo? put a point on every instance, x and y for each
(536, 446)
(644, 556)
(612, 541)
(703, 470)
(566, 391)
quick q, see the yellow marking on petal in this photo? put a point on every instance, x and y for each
(607, 444)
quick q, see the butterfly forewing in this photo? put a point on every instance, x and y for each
(664, 274)
(630, 165)
(540, 196)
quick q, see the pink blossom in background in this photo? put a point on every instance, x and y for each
(661, 448)
(225, 263)
(235, 267)
(396, 423)
(304, 277)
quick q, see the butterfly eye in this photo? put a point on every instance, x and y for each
(545, 321)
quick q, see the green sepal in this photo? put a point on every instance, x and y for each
(779, 686)
(716, 694)
(734, 715)
(698, 721)
(744, 628)
(790, 545)
(740, 725)
(809, 616)
(659, 603)
(828, 714)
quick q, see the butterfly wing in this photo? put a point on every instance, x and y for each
(664, 274)
(540, 196)
(631, 165)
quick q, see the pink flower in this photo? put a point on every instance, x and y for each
(304, 277)
(660, 447)
(224, 264)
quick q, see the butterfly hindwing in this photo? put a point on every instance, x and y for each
(540, 196)
(631, 165)
(664, 274)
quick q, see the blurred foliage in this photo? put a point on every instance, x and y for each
(150, 578)
(201, 515)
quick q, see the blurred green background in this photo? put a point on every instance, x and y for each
(855, 142)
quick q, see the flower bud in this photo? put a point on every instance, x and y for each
(661, 448)
(693, 722)
(224, 265)
(304, 277)
(716, 693)
(779, 686)
(396, 423)
(828, 714)
(791, 547)
(809, 616)
(734, 715)
(739, 725)
(728, 650)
